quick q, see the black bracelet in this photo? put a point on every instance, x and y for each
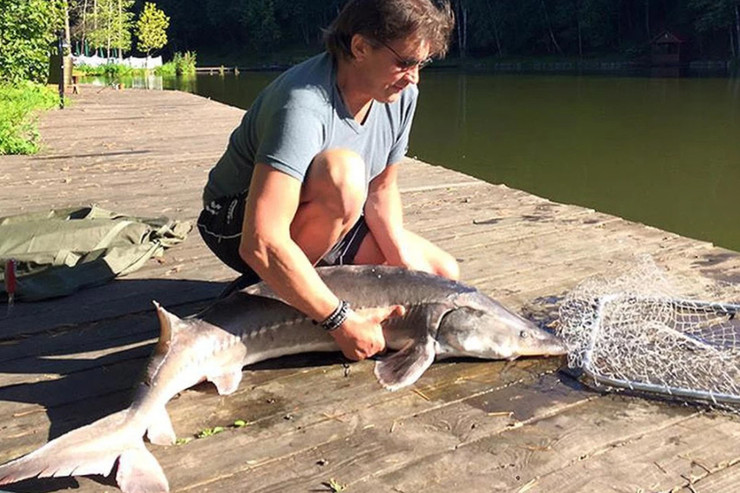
(337, 317)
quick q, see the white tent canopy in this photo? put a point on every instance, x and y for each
(133, 62)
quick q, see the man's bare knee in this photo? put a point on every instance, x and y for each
(449, 268)
(336, 179)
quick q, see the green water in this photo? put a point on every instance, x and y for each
(665, 152)
(662, 151)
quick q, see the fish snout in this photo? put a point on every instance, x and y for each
(534, 341)
(494, 333)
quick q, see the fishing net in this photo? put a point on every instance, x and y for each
(639, 332)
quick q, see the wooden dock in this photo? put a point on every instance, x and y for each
(466, 426)
(218, 70)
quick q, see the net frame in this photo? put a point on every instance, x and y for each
(633, 332)
(592, 369)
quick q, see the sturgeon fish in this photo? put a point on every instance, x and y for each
(442, 318)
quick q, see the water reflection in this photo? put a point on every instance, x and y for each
(151, 81)
(663, 151)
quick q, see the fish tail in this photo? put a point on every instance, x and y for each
(95, 449)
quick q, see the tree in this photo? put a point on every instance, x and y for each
(27, 31)
(719, 15)
(112, 22)
(81, 12)
(548, 24)
(151, 28)
(737, 29)
(259, 19)
(461, 25)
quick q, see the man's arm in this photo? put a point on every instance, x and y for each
(384, 217)
(268, 248)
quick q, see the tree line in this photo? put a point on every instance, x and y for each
(485, 28)
(109, 25)
(499, 28)
(710, 28)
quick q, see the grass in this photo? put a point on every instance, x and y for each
(334, 486)
(110, 70)
(182, 64)
(19, 108)
(209, 432)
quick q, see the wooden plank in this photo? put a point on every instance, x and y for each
(658, 460)
(465, 426)
(605, 444)
(114, 299)
(723, 477)
(313, 415)
(360, 445)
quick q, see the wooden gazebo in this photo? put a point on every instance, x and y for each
(665, 49)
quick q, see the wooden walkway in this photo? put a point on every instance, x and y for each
(465, 426)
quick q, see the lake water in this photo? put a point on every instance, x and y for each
(662, 151)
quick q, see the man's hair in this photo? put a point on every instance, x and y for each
(388, 20)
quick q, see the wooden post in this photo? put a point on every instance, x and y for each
(60, 48)
(737, 29)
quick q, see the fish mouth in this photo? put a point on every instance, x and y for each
(545, 345)
(557, 348)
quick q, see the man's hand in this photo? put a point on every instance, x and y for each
(361, 335)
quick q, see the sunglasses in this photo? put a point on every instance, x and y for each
(407, 63)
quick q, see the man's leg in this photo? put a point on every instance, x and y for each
(219, 225)
(435, 260)
(331, 202)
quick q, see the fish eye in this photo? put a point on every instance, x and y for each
(523, 334)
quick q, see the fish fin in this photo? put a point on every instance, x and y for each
(407, 365)
(139, 472)
(160, 431)
(91, 449)
(226, 383)
(169, 324)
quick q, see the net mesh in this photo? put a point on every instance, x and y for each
(643, 331)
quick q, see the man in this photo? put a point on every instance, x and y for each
(309, 176)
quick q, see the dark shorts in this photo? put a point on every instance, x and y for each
(220, 226)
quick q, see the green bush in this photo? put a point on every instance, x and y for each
(89, 70)
(166, 70)
(110, 70)
(181, 64)
(116, 70)
(19, 105)
(27, 31)
(186, 65)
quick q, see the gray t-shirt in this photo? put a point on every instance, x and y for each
(301, 114)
